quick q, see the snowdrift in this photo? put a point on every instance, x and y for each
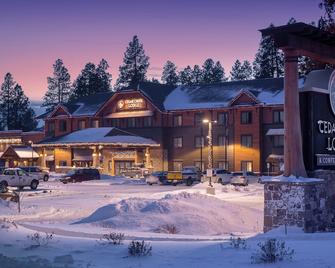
(190, 213)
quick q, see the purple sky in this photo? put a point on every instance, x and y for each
(35, 33)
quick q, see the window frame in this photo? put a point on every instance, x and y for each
(177, 120)
(198, 122)
(181, 143)
(246, 136)
(246, 162)
(277, 138)
(225, 116)
(196, 145)
(61, 124)
(280, 118)
(249, 121)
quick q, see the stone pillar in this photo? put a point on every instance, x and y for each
(147, 158)
(43, 158)
(293, 156)
(96, 157)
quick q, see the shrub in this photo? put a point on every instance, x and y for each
(7, 224)
(112, 239)
(238, 243)
(167, 229)
(139, 248)
(38, 240)
(271, 251)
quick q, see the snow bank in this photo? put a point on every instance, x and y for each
(292, 179)
(190, 213)
(119, 180)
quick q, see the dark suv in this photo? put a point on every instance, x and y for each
(81, 174)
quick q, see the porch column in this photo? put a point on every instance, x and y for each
(96, 157)
(43, 158)
(147, 158)
(293, 156)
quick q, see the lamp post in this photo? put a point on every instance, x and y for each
(210, 149)
(32, 152)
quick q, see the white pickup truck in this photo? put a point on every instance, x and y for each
(16, 177)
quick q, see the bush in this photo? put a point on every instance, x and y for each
(39, 240)
(167, 229)
(271, 251)
(238, 243)
(7, 224)
(139, 248)
(111, 239)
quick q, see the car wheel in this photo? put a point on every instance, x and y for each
(46, 178)
(189, 182)
(174, 184)
(220, 181)
(34, 184)
(3, 187)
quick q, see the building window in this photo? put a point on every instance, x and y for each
(222, 140)
(115, 122)
(178, 142)
(200, 165)
(147, 121)
(62, 125)
(131, 122)
(278, 117)
(278, 141)
(223, 165)
(199, 141)
(177, 165)
(246, 141)
(62, 163)
(95, 123)
(246, 166)
(198, 117)
(246, 117)
(177, 120)
(81, 124)
(223, 119)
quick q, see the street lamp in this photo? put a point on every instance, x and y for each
(210, 149)
(32, 152)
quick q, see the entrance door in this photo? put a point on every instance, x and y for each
(122, 166)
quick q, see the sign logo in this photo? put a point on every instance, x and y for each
(331, 89)
(120, 104)
(131, 104)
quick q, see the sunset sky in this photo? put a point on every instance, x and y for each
(34, 33)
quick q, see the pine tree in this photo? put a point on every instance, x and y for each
(92, 80)
(241, 71)
(135, 65)
(212, 72)
(269, 60)
(169, 75)
(197, 75)
(15, 109)
(59, 86)
(186, 76)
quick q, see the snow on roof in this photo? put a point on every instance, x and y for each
(275, 132)
(103, 135)
(25, 152)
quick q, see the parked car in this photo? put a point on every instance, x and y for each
(39, 172)
(243, 178)
(81, 174)
(136, 172)
(222, 176)
(16, 177)
(191, 174)
(156, 178)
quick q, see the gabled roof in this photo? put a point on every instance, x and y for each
(23, 152)
(268, 91)
(97, 136)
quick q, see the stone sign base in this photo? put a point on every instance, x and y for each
(307, 204)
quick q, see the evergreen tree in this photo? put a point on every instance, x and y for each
(154, 80)
(169, 75)
(241, 71)
(212, 72)
(197, 75)
(92, 80)
(186, 76)
(269, 61)
(59, 86)
(15, 110)
(135, 65)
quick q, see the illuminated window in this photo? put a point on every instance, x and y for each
(278, 117)
(177, 165)
(246, 166)
(199, 141)
(81, 124)
(62, 125)
(278, 141)
(246, 117)
(223, 119)
(246, 141)
(223, 165)
(177, 120)
(178, 142)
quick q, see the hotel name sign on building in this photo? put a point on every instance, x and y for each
(318, 124)
(131, 104)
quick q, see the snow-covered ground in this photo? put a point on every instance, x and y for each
(79, 214)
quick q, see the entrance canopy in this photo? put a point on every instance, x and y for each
(99, 136)
(305, 39)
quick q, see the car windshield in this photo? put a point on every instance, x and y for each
(237, 174)
(71, 172)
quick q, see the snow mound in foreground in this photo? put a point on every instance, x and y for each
(190, 213)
